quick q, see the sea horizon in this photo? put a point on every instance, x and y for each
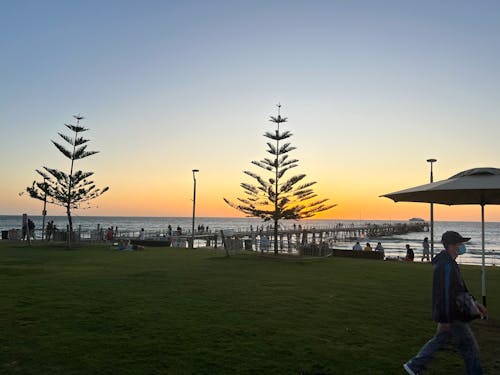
(251, 218)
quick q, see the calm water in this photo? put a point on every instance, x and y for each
(394, 246)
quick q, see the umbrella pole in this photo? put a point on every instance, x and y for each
(432, 231)
(483, 268)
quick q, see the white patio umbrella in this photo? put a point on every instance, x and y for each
(474, 186)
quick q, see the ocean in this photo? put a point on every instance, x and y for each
(394, 246)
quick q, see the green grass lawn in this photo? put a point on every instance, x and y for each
(94, 310)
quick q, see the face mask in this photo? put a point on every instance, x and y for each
(461, 250)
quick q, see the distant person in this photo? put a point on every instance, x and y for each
(410, 255)
(179, 230)
(380, 249)
(54, 231)
(264, 243)
(123, 245)
(169, 230)
(357, 247)
(48, 231)
(127, 245)
(24, 227)
(425, 249)
(368, 247)
(142, 234)
(31, 229)
(109, 234)
(452, 308)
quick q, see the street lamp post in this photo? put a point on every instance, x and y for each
(44, 212)
(431, 161)
(194, 207)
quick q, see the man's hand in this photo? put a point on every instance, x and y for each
(444, 327)
(482, 309)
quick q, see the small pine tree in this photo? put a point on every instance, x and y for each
(275, 198)
(72, 189)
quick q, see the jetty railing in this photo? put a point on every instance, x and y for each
(250, 238)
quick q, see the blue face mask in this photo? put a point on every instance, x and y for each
(461, 250)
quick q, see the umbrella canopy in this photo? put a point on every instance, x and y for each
(474, 186)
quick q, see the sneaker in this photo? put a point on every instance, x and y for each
(409, 370)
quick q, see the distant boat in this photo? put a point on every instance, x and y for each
(417, 220)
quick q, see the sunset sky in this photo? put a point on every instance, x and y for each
(371, 90)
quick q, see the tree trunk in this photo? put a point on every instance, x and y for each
(70, 187)
(275, 236)
(70, 226)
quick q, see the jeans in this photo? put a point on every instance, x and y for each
(461, 335)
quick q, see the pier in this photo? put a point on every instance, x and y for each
(289, 239)
(261, 238)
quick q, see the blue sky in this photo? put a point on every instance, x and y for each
(371, 89)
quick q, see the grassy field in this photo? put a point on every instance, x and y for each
(94, 310)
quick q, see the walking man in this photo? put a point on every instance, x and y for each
(452, 308)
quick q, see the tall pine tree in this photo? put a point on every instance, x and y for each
(72, 189)
(275, 197)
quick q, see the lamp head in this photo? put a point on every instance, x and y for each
(431, 160)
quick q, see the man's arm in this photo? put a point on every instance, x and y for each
(442, 293)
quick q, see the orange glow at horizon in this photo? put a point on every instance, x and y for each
(212, 205)
(171, 196)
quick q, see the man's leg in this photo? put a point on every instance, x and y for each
(467, 346)
(419, 363)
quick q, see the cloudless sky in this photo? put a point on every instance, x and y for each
(371, 90)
